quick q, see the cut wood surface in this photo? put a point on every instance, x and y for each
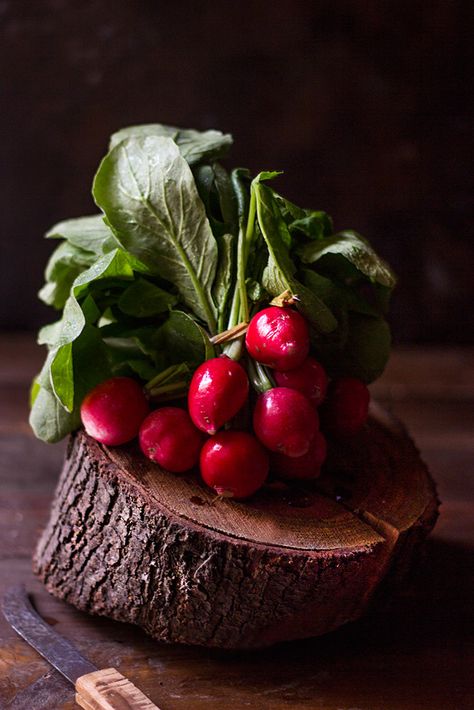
(412, 654)
(128, 540)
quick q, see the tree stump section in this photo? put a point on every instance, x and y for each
(135, 543)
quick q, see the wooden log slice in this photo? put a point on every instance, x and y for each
(130, 541)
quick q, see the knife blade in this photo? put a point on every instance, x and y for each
(51, 690)
(20, 614)
(106, 689)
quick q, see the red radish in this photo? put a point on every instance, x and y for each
(346, 407)
(278, 337)
(285, 421)
(168, 437)
(234, 464)
(113, 411)
(218, 390)
(304, 467)
(309, 378)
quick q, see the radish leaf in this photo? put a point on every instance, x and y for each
(148, 194)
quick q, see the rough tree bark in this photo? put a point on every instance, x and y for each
(135, 543)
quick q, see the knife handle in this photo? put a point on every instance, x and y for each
(108, 689)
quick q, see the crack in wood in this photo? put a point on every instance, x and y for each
(124, 553)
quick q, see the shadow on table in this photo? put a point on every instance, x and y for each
(410, 653)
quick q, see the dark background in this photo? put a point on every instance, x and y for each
(366, 106)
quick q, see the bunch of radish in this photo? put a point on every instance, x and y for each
(285, 435)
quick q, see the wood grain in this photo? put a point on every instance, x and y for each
(107, 689)
(414, 654)
(128, 540)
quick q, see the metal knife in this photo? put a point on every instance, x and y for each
(105, 689)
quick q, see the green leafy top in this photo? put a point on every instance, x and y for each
(147, 192)
(194, 146)
(182, 250)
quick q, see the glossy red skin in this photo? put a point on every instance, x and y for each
(278, 337)
(309, 378)
(218, 390)
(285, 421)
(168, 437)
(114, 410)
(303, 467)
(346, 408)
(234, 464)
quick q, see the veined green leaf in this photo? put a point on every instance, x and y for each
(141, 131)
(34, 391)
(143, 299)
(227, 199)
(314, 224)
(356, 250)
(266, 175)
(65, 264)
(116, 264)
(90, 363)
(134, 343)
(222, 288)
(325, 289)
(279, 274)
(337, 295)
(89, 233)
(215, 190)
(240, 180)
(48, 418)
(148, 193)
(67, 255)
(90, 309)
(255, 290)
(194, 146)
(141, 367)
(366, 349)
(62, 376)
(204, 179)
(49, 334)
(183, 340)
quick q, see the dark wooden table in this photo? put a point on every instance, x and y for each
(413, 654)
